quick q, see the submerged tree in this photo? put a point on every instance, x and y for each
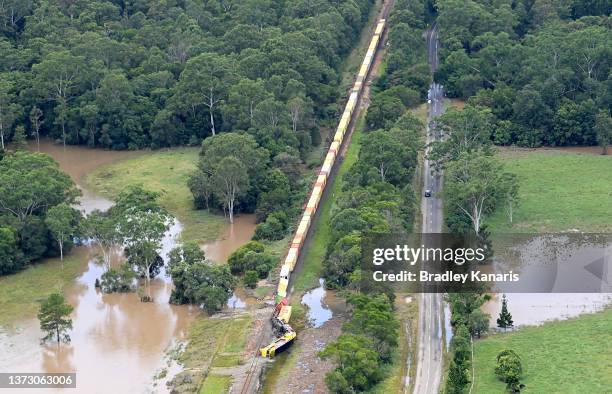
(198, 281)
(62, 221)
(142, 224)
(54, 317)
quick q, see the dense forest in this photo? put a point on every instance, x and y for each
(133, 74)
(260, 77)
(542, 67)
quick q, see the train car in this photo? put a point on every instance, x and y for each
(380, 27)
(291, 258)
(279, 345)
(300, 233)
(283, 281)
(285, 314)
(282, 312)
(335, 147)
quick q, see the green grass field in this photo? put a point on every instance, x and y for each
(559, 191)
(571, 356)
(166, 172)
(21, 292)
(216, 384)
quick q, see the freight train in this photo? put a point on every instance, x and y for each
(282, 313)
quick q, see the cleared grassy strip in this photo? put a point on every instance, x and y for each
(216, 384)
(314, 252)
(351, 64)
(21, 292)
(571, 356)
(559, 191)
(166, 172)
(210, 339)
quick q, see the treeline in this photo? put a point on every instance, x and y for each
(542, 67)
(127, 75)
(36, 215)
(406, 78)
(367, 342)
(377, 196)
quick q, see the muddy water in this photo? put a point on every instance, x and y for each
(118, 343)
(546, 260)
(535, 309)
(77, 162)
(234, 236)
(322, 305)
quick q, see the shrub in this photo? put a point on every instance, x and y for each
(250, 279)
(118, 280)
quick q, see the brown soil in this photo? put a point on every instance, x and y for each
(308, 373)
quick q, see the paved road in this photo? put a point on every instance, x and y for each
(429, 355)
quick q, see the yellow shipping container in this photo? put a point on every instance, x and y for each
(321, 179)
(363, 71)
(335, 147)
(291, 258)
(285, 313)
(282, 287)
(304, 226)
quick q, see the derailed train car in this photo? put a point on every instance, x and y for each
(282, 313)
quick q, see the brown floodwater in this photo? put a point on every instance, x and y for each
(118, 344)
(234, 236)
(78, 161)
(537, 308)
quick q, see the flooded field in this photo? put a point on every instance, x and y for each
(77, 162)
(234, 236)
(322, 305)
(555, 262)
(535, 309)
(118, 344)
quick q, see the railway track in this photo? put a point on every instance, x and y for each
(334, 155)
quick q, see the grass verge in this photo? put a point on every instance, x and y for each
(396, 372)
(571, 356)
(314, 251)
(21, 292)
(165, 172)
(559, 191)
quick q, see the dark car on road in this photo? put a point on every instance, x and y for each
(427, 193)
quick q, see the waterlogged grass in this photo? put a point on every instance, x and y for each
(213, 342)
(21, 293)
(559, 191)
(216, 384)
(571, 356)
(165, 172)
(395, 373)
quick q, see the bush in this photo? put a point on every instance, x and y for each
(509, 369)
(9, 261)
(250, 279)
(118, 280)
(237, 260)
(273, 229)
